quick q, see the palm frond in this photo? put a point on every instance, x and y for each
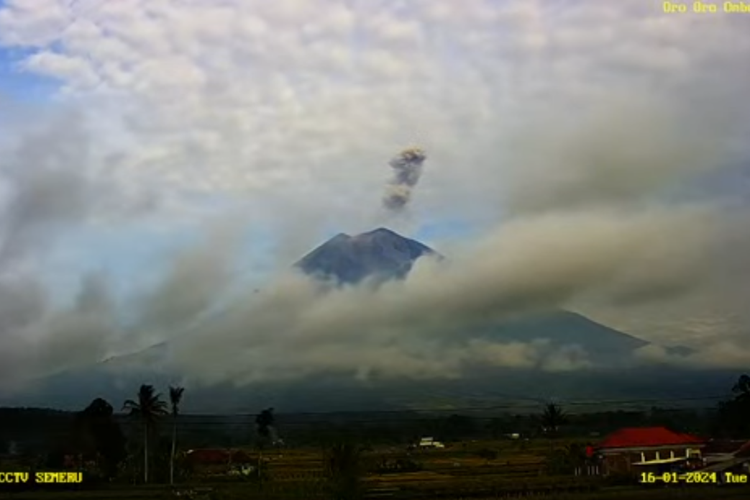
(175, 397)
(131, 406)
(149, 406)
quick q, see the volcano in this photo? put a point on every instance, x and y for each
(380, 254)
(383, 254)
(610, 371)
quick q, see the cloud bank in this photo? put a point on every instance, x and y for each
(599, 147)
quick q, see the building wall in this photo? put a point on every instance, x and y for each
(617, 464)
(621, 462)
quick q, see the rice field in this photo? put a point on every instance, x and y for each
(453, 473)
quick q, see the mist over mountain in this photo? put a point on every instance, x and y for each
(385, 254)
(577, 357)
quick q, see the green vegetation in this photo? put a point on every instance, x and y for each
(553, 418)
(357, 459)
(175, 398)
(734, 414)
(148, 408)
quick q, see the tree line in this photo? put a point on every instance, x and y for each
(95, 438)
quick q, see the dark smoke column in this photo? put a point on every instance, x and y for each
(407, 168)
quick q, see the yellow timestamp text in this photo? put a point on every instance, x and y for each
(40, 477)
(694, 477)
(674, 477)
(706, 7)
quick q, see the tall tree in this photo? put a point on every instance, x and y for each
(110, 442)
(552, 418)
(148, 408)
(264, 427)
(96, 436)
(733, 418)
(741, 389)
(175, 398)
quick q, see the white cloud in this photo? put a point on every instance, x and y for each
(529, 110)
(73, 69)
(271, 75)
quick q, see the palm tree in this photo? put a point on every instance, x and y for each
(175, 397)
(552, 418)
(148, 408)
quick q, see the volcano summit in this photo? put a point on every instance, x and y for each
(380, 254)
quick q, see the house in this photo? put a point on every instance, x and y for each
(649, 449)
(727, 456)
(721, 450)
(428, 442)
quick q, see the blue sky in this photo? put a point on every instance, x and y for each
(22, 85)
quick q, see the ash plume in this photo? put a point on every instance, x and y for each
(407, 169)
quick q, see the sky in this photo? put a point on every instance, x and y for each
(159, 155)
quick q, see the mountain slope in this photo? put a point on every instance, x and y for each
(388, 255)
(379, 254)
(602, 344)
(384, 254)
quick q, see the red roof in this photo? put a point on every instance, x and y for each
(639, 437)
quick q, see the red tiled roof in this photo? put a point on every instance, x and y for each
(637, 437)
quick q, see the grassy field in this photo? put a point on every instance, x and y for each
(452, 473)
(239, 492)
